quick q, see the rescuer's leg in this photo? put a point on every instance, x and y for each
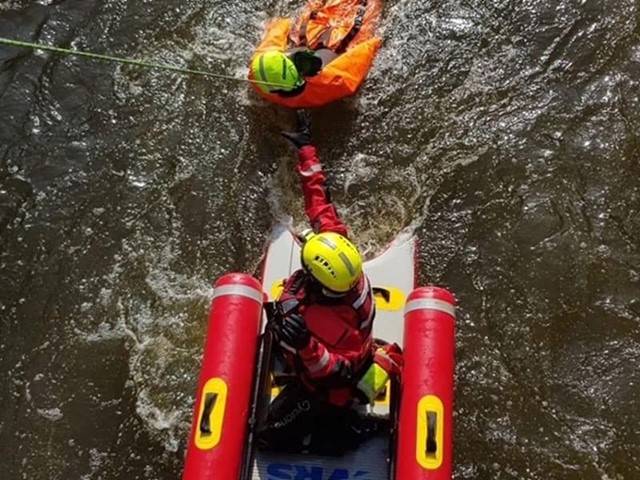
(288, 420)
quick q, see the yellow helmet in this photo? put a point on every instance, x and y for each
(277, 70)
(332, 260)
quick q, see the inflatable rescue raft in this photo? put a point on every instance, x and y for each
(345, 27)
(236, 383)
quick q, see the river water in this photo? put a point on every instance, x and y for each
(505, 134)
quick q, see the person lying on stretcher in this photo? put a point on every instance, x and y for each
(323, 55)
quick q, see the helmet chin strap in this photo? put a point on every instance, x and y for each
(325, 291)
(306, 235)
(328, 293)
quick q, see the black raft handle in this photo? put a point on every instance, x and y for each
(383, 292)
(205, 421)
(432, 443)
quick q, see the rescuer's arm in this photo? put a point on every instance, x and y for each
(320, 363)
(292, 334)
(317, 202)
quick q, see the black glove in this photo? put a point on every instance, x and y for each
(302, 135)
(291, 332)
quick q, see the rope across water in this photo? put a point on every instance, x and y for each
(126, 61)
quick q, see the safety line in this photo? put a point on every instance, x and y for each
(128, 61)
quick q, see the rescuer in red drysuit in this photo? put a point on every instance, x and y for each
(323, 324)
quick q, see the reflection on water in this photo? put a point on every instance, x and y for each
(504, 135)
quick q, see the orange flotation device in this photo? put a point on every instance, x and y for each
(345, 26)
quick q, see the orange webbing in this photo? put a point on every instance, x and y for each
(339, 16)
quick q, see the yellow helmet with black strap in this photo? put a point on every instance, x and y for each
(332, 260)
(273, 71)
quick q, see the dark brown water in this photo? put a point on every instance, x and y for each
(504, 133)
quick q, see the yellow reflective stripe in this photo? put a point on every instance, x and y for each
(430, 441)
(214, 391)
(430, 304)
(320, 364)
(241, 290)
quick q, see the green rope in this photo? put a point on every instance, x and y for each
(128, 61)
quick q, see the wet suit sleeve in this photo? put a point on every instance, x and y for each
(317, 202)
(320, 363)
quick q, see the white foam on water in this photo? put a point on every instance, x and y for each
(162, 313)
(97, 460)
(53, 414)
(166, 422)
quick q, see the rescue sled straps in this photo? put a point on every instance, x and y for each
(127, 61)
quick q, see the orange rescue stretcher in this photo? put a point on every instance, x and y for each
(346, 27)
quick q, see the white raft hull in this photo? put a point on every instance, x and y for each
(393, 276)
